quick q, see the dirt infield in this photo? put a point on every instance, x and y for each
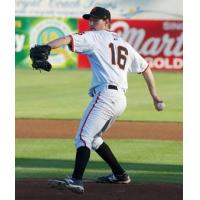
(29, 128)
(39, 190)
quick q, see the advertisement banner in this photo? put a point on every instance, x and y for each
(123, 9)
(160, 42)
(40, 30)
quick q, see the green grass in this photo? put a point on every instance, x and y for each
(145, 160)
(62, 94)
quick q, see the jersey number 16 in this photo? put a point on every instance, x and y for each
(122, 53)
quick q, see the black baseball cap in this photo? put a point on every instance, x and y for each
(99, 13)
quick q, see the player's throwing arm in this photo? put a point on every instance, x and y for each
(148, 76)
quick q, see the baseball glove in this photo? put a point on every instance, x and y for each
(39, 55)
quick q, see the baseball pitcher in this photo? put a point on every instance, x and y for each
(111, 59)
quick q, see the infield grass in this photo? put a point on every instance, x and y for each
(62, 94)
(145, 160)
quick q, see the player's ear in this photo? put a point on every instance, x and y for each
(108, 21)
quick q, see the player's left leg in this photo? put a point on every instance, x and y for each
(95, 120)
(91, 123)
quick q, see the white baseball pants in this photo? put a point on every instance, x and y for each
(104, 108)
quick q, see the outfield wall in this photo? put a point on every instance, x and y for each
(153, 29)
(160, 42)
(39, 30)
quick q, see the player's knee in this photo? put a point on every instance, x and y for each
(96, 143)
(82, 140)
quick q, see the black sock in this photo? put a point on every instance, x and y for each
(82, 158)
(106, 154)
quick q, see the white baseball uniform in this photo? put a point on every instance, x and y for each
(111, 59)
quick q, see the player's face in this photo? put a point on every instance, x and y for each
(97, 24)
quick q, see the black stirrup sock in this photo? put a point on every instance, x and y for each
(82, 158)
(106, 154)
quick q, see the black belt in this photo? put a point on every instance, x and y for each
(112, 87)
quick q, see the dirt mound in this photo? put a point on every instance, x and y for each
(39, 190)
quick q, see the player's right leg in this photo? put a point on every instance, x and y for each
(118, 175)
(114, 178)
(103, 150)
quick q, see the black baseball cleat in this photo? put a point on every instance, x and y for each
(113, 178)
(70, 183)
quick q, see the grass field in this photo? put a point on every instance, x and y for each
(145, 160)
(62, 94)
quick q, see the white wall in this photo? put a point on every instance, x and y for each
(133, 9)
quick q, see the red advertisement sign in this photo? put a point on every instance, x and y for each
(160, 42)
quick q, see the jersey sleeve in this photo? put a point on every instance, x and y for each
(139, 64)
(82, 43)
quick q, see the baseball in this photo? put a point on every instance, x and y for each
(160, 106)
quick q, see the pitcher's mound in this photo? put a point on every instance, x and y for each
(39, 190)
